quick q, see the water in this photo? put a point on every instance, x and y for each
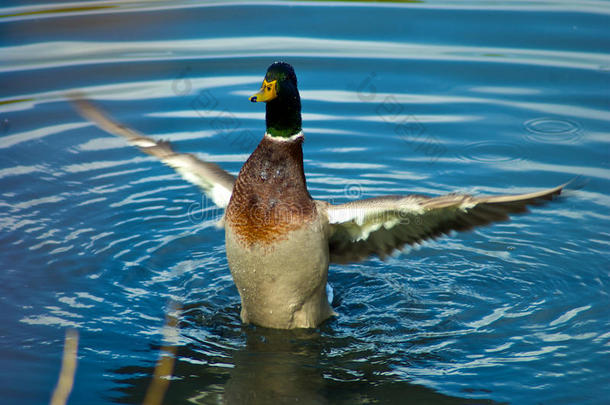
(483, 97)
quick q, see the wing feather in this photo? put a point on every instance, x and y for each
(215, 182)
(380, 225)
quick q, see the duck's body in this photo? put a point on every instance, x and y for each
(279, 241)
(276, 239)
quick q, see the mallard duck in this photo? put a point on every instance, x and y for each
(279, 240)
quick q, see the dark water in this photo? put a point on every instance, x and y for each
(483, 97)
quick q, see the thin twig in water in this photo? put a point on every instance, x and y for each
(68, 368)
(165, 364)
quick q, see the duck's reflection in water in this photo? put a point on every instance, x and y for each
(279, 367)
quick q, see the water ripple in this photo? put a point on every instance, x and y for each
(553, 130)
(508, 312)
(54, 54)
(569, 315)
(493, 151)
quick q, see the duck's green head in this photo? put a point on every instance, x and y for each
(280, 92)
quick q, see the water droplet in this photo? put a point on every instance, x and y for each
(182, 85)
(5, 125)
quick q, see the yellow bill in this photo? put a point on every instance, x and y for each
(267, 92)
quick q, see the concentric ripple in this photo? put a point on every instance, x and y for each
(493, 152)
(553, 130)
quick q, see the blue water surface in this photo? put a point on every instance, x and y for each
(431, 97)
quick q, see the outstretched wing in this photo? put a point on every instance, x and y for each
(215, 182)
(378, 226)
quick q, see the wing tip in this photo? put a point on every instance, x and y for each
(577, 183)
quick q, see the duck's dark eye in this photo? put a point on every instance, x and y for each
(268, 88)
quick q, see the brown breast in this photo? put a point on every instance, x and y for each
(270, 196)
